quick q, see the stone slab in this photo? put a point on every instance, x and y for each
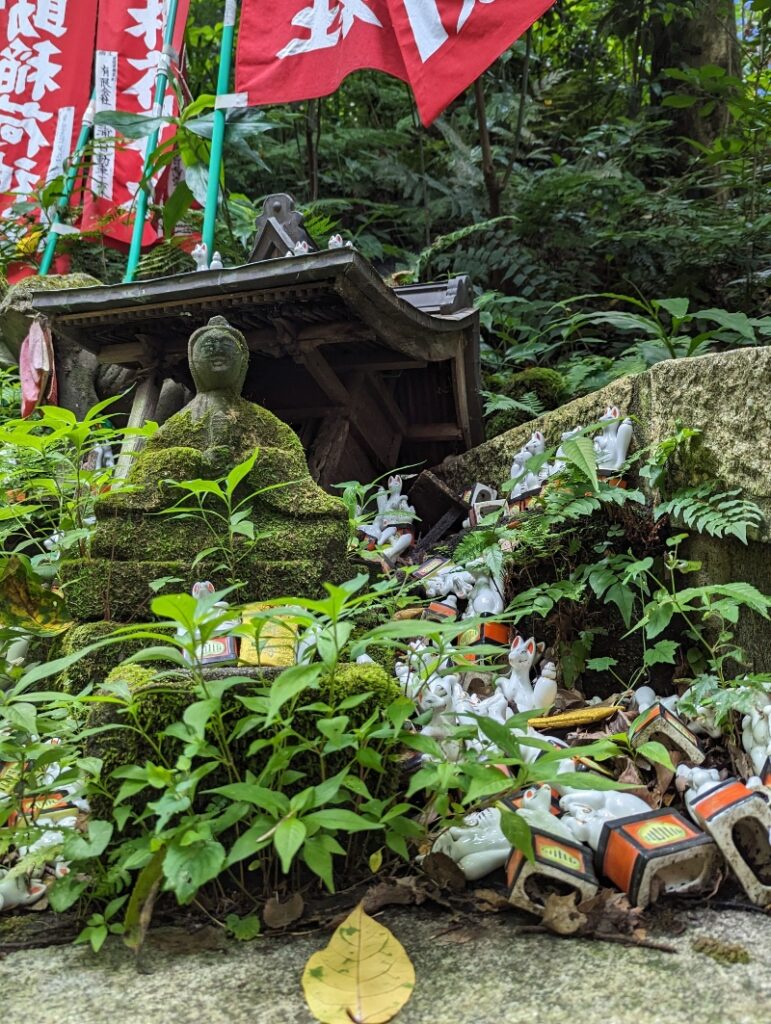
(478, 970)
(725, 396)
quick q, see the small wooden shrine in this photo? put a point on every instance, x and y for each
(370, 377)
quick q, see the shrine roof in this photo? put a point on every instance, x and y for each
(320, 297)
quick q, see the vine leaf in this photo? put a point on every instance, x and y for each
(363, 976)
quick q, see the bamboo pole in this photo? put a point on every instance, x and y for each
(69, 185)
(218, 130)
(161, 81)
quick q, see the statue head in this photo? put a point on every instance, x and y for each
(218, 357)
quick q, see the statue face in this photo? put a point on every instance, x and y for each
(216, 361)
(219, 358)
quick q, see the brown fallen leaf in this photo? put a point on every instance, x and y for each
(610, 913)
(664, 779)
(567, 699)
(458, 936)
(444, 872)
(400, 891)
(490, 901)
(741, 764)
(561, 914)
(276, 914)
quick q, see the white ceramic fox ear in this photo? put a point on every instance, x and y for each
(615, 412)
(516, 643)
(538, 435)
(530, 646)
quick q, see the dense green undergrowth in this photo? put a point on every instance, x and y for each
(219, 788)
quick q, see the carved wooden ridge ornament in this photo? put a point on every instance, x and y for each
(280, 229)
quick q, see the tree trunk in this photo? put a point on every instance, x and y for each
(707, 36)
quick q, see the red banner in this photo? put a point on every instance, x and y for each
(129, 47)
(305, 48)
(45, 59)
(447, 44)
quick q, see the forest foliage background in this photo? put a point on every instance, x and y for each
(619, 153)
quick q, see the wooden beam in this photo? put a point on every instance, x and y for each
(434, 432)
(335, 331)
(388, 402)
(143, 409)
(329, 448)
(127, 352)
(304, 412)
(377, 364)
(325, 377)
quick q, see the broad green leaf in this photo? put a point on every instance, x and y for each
(655, 752)
(80, 847)
(187, 868)
(677, 100)
(197, 715)
(319, 860)
(601, 664)
(240, 472)
(675, 307)
(288, 838)
(738, 322)
(243, 928)
(131, 126)
(276, 804)
(517, 831)
(290, 684)
(662, 654)
(339, 817)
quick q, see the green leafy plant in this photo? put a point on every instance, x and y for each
(224, 507)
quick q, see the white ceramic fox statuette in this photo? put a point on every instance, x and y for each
(612, 443)
(516, 687)
(532, 480)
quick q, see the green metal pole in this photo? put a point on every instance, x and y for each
(218, 130)
(69, 184)
(161, 82)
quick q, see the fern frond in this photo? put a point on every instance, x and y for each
(528, 403)
(723, 514)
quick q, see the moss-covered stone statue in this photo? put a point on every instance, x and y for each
(135, 541)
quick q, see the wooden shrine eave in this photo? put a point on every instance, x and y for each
(371, 377)
(318, 290)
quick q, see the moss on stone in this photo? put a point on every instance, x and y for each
(351, 680)
(547, 385)
(303, 531)
(134, 675)
(16, 307)
(491, 462)
(722, 952)
(119, 739)
(97, 588)
(95, 667)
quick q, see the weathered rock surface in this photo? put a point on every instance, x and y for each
(477, 971)
(727, 398)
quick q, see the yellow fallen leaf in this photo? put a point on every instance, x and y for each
(363, 976)
(583, 716)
